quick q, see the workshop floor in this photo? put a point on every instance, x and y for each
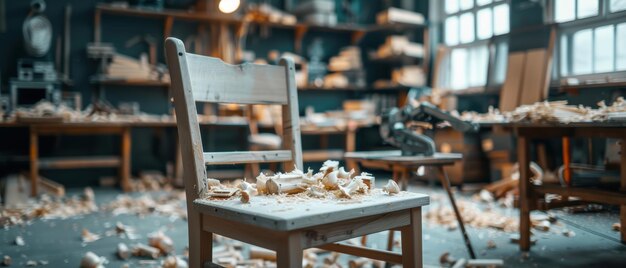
(58, 242)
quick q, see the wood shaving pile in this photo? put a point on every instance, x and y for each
(472, 215)
(171, 205)
(552, 112)
(46, 109)
(47, 207)
(331, 182)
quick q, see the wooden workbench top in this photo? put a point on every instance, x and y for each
(285, 213)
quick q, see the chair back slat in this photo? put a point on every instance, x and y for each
(212, 80)
(222, 158)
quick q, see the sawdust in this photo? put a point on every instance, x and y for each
(171, 204)
(48, 207)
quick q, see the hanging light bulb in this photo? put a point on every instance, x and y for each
(228, 6)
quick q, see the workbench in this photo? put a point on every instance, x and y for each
(531, 196)
(122, 161)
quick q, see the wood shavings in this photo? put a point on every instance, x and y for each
(31, 263)
(553, 112)
(91, 260)
(354, 186)
(391, 188)
(491, 244)
(19, 241)
(446, 259)
(161, 241)
(48, 207)
(569, 233)
(473, 216)
(171, 204)
(88, 236)
(616, 226)
(174, 262)
(142, 250)
(6, 260)
(123, 252)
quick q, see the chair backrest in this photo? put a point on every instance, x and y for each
(196, 78)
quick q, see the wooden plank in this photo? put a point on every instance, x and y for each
(412, 240)
(534, 73)
(51, 186)
(267, 212)
(291, 115)
(213, 80)
(376, 254)
(623, 189)
(319, 235)
(194, 169)
(79, 162)
(322, 155)
(395, 156)
(523, 158)
(221, 158)
(586, 194)
(15, 193)
(509, 95)
(289, 251)
(125, 146)
(34, 160)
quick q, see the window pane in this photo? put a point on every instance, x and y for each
(618, 5)
(603, 60)
(466, 24)
(500, 63)
(452, 30)
(458, 65)
(452, 6)
(564, 56)
(621, 47)
(582, 60)
(501, 19)
(482, 2)
(477, 72)
(466, 4)
(564, 10)
(587, 8)
(483, 29)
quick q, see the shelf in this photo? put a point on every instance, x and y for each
(79, 162)
(205, 17)
(137, 83)
(398, 27)
(395, 59)
(354, 88)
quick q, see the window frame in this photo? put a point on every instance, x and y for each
(569, 28)
(491, 43)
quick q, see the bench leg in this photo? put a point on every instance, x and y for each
(412, 240)
(34, 162)
(623, 189)
(289, 252)
(523, 158)
(200, 241)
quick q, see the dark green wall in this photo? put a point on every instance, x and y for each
(153, 148)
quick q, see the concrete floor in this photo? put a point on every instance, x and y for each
(59, 241)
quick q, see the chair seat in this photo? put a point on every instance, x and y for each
(278, 214)
(265, 140)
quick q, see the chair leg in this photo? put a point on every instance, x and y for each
(289, 252)
(200, 242)
(412, 240)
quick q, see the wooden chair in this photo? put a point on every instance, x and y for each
(294, 226)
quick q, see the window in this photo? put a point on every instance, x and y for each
(592, 37)
(468, 25)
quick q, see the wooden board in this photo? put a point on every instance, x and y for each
(533, 78)
(395, 156)
(276, 213)
(221, 158)
(509, 96)
(215, 81)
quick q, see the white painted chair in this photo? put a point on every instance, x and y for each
(294, 226)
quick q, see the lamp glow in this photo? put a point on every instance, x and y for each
(228, 6)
